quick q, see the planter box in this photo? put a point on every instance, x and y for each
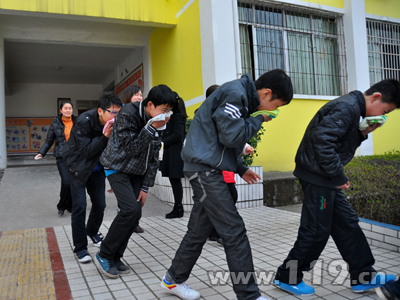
(381, 234)
(249, 195)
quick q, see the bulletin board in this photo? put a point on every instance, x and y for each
(26, 135)
(134, 78)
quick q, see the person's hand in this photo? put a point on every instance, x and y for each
(250, 150)
(108, 130)
(251, 177)
(267, 118)
(344, 186)
(110, 191)
(38, 156)
(369, 129)
(142, 196)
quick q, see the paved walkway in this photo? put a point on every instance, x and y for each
(39, 263)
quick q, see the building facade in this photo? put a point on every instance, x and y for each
(328, 47)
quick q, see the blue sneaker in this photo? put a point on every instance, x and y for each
(298, 289)
(107, 266)
(83, 256)
(97, 239)
(378, 281)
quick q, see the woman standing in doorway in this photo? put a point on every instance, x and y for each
(59, 132)
(132, 94)
(172, 165)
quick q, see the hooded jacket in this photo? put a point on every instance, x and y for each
(221, 128)
(330, 141)
(134, 146)
(55, 133)
(83, 149)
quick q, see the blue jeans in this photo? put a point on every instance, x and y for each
(96, 188)
(214, 207)
(65, 202)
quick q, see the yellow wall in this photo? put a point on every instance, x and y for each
(334, 3)
(387, 8)
(388, 137)
(133, 10)
(283, 135)
(176, 54)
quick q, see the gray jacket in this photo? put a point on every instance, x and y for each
(221, 128)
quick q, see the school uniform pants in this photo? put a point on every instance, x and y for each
(126, 188)
(65, 202)
(96, 188)
(326, 212)
(214, 207)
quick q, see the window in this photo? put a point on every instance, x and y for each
(383, 51)
(308, 46)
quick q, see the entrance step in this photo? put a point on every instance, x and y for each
(281, 189)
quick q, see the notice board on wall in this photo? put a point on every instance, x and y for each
(134, 78)
(26, 135)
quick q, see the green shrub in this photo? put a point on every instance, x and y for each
(374, 190)
(248, 159)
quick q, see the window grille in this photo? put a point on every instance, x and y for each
(308, 45)
(383, 50)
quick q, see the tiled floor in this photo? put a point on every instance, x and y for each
(271, 232)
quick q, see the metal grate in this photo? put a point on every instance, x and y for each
(383, 50)
(307, 44)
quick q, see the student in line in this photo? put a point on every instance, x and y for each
(81, 156)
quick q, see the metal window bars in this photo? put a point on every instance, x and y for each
(307, 44)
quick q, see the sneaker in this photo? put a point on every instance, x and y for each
(97, 239)
(298, 289)
(60, 212)
(83, 256)
(262, 298)
(121, 267)
(386, 292)
(378, 281)
(182, 290)
(107, 266)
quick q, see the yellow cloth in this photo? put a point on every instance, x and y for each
(67, 126)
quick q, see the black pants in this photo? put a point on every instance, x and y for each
(65, 202)
(126, 188)
(234, 195)
(214, 207)
(326, 212)
(177, 190)
(96, 188)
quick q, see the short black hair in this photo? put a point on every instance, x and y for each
(278, 82)
(390, 90)
(159, 95)
(129, 92)
(211, 89)
(108, 100)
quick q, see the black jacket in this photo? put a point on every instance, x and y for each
(134, 146)
(83, 149)
(55, 133)
(330, 141)
(172, 163)
(221, 127)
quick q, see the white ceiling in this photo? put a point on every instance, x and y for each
(88, 50)
(37, 62)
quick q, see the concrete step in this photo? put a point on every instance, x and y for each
(281, 189)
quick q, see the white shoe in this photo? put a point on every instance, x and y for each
(182, 290)
(262, 298)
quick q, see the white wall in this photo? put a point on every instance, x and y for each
(40, 100)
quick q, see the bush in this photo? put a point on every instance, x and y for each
(374, 191)
(248, 159)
